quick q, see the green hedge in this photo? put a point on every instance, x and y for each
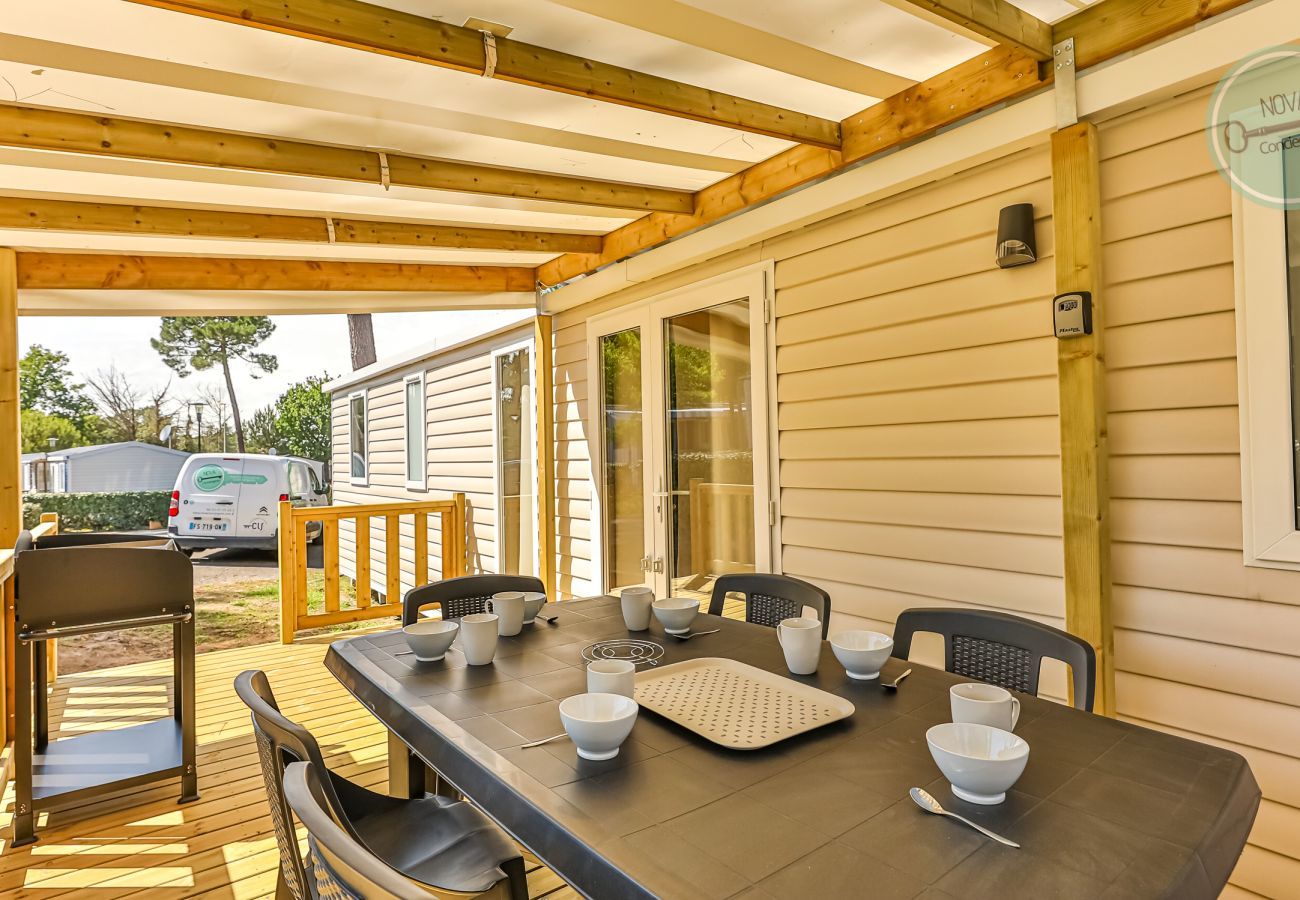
(128, 510)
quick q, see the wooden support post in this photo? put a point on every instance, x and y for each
(11, 513)
(545, 393)
(288, 575)
(421, 549)
(458, 543)
(1081, 370)
(330, 552)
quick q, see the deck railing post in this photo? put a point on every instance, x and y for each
(288, 574)
(11, 512)
(459, 543)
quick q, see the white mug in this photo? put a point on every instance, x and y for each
(984, 704)
(801, 641)
(478, 638)
(636, 602)
(533, 603)
(508, 606)
(612, 676)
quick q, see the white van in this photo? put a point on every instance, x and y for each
(232, 500)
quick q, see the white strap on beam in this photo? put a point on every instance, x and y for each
(1067, 99)
(329, 227)
(489, 54)
(384, 175)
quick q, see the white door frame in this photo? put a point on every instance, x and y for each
(497, 495)
(753, 282)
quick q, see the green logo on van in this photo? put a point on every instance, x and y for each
(209, 478)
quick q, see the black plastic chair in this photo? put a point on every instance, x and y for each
(445, 844)
(1000, 648)
(771, 598)
(339, 866)
(464, 596)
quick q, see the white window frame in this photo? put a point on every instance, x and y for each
(420, 481)
(364, 479)
(497, 496)
(1268, 493)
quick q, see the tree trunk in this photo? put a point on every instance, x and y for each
(234, 409)
(361, 337)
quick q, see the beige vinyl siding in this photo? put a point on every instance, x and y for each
(917, 406)
(459, 455)
(1205, 646)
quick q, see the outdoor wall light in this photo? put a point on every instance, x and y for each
(1016, 246)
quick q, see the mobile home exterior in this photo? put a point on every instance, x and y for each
(437, 422)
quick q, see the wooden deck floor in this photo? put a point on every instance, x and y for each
(143, 844)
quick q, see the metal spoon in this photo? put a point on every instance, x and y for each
(931, 805)
(693, 634)
(554, 737)
(549, 619)
(893, 685)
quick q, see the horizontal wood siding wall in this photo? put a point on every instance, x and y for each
(459, 457)
(1205, 646)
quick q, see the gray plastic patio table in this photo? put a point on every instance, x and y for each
(1104, 808)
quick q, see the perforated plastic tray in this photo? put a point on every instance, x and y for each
(736, 705)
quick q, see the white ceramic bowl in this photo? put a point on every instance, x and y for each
(862, 653)
(431, 638)
(676, 613)
(598, 724)
(533, 603)
(980, 762)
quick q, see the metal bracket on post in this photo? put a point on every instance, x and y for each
(1067, 102)
(489, 54)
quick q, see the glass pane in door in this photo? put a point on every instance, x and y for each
(623, 459)
(515, 464)
(710, 446)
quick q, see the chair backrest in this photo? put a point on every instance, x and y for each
(771, 598)
(281, 742)
(1000, 648)
(341, 867)
(464, 596)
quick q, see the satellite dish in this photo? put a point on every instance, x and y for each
(166, 435)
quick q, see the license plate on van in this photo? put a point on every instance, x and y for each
(213, 525)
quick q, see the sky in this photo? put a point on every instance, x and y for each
(305, 345)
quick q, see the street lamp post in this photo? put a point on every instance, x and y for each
(197, 406)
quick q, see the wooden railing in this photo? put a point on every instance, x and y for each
(294, 612)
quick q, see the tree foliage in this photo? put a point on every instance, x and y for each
(198, 343)
(38, 427)
(45, 383)
(297, 424)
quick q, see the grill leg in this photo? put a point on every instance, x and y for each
(42, 710)
(183, 637)
(24, 814)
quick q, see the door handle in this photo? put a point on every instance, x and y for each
(645, 564)
(658, 565)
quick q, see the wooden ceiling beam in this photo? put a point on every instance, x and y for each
(378, 29)
(121, 218)
(997, 20)
(1102, 31)
(36, 128)
(95, 271)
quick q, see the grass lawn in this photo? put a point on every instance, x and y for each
(232, 614)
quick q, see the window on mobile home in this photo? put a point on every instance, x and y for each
(415, 432)
(357, 439)
(515, 463)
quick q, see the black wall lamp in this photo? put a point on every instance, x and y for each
(1016, 245)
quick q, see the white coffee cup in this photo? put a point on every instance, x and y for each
(984, 704)
(508, 606)
(478, 638)
(533, 603)
(801, 641)
(611, 676)
(636, 602)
